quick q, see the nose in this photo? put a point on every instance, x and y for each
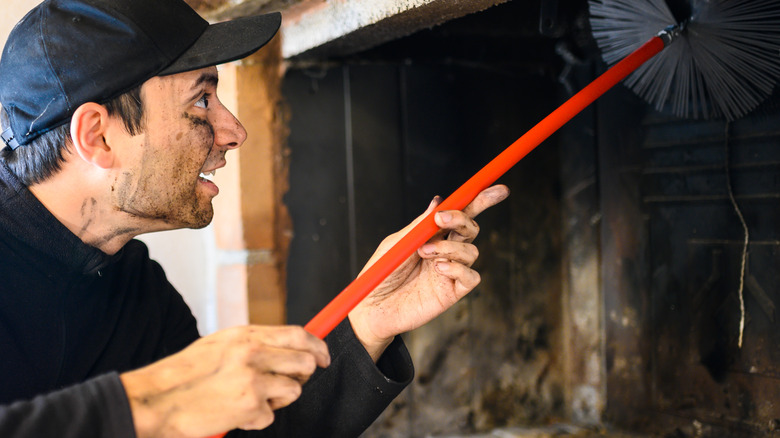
(229, 133)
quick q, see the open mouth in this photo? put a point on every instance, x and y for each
(208, 176)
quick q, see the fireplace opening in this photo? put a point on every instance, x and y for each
(609, 301)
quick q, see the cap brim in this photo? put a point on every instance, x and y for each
(227, 41)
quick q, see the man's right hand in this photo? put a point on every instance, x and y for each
(234, 378)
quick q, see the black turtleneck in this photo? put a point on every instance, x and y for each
(73, 317)
(68, 311)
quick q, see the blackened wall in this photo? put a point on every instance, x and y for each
(373, 138)
(610, 276)
(672, 253)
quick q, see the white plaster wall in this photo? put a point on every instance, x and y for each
(186, 255)
(10, 12)
(189, 260)
(361, 24)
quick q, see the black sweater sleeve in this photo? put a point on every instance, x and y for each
(342, 400)
(97, 408)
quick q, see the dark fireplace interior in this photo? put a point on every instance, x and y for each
(610, 294)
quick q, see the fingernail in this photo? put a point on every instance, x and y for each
(444, 217)
(429, 248)
(442, 266)
(435, 201)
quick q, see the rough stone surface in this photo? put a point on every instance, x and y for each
(491, 361)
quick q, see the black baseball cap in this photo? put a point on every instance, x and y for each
(65, 53)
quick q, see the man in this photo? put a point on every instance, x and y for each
(111, 121)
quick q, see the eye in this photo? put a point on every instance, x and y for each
(203, 102)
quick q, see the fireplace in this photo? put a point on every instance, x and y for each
(672, 253)
(610, 300)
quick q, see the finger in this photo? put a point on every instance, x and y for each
(297, 365)
(434, 203)
(292, 338)
(263, 419)
(486, 199)
(459, 252)
(392, 239)
(465, 278)
(282, 391)
(461, 227)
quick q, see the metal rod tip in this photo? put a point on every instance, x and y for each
(670, 34)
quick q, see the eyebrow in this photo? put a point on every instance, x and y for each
(205, 78)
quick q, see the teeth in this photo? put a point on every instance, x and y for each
(208, 175)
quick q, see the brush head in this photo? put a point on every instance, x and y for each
(724, 63)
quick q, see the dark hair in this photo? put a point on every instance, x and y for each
(43, 157)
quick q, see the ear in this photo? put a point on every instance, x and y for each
(88, 127)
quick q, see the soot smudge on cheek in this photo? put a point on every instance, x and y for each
(199, 123)
(125, 189)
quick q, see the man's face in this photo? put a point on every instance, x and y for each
(186, 133)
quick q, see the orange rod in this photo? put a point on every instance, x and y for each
(338, 309)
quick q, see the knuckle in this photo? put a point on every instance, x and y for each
(264, 420)
(294, 394)
(469, 228)
(295, 391)
(309, 364)
(245, 354)
(298, 335)
(286, 394)
(249, 401)
(250, 392)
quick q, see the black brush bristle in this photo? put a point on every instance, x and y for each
(723, 64)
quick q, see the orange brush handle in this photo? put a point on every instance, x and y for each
(338, 309)
(330, 316)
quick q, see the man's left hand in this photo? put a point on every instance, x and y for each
(429, 281)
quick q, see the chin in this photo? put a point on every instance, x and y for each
(198, 226)
(195, 218)
(202, 221)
